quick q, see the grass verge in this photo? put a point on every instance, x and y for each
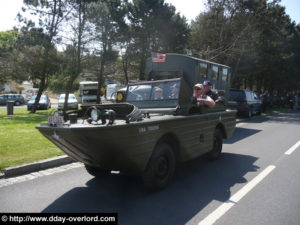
(20, 142)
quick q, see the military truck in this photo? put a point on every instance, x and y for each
(148, 134)
(88, 92)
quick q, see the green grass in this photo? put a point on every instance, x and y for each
(20, 141)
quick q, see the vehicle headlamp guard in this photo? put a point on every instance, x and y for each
(101, 115)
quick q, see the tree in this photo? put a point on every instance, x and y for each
(156, 27)
(50, 14)
(105, 17)
(7, 45)
(74, 52)
(29, 53)
(253, 37)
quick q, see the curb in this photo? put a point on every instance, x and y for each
(36, 166)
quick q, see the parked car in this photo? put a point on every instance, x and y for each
(44, 102)
(17, 98)
(72, 101)
(31, 92)
(245, 102)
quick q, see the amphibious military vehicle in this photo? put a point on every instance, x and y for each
(154, 128)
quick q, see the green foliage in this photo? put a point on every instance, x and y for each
(112, 39)
(7, 43)
(156, 27)
(255, 37)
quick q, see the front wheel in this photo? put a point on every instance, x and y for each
(217, 145)
(96, 171)
(160, 168)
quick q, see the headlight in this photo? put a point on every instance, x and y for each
(95, 114)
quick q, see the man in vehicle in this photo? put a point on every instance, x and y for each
(207, 90)
(158, 93)
(174, 91)
(198, 92)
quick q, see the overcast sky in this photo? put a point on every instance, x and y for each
(189, 8)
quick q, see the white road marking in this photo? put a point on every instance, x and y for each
(292, 149)
(222, 209)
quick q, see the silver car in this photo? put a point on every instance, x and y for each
(44, 102)
(72, 102)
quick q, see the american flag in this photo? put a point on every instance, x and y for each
(158, 57)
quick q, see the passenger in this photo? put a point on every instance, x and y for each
(174, 91)
(201, 97)
(207, 90)
(158, 93)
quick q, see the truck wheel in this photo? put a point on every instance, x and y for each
(217, 147)
(160, 169)
(96, 171)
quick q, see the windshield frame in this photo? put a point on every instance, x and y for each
(160, 90)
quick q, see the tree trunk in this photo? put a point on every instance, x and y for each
(100, 77)
(39, 94)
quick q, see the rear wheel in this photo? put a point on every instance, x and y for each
(217, 145)
(160, 168)
(96, 171)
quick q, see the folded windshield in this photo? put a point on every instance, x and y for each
(154, 91)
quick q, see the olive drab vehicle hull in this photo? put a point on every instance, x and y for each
(152, 131)
(128, 147)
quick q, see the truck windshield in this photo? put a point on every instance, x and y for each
(155, 91)
(89, 92)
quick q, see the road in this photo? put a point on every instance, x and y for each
(256, 181)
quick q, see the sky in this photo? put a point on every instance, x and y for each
(189, 8)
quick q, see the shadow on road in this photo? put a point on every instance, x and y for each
(196, 184)
(239, 134)
(287, 117)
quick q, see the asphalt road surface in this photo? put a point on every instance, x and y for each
(256, 181)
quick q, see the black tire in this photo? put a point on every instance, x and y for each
(17, 103)
(160, 168)
(217, 145)
(96, 171)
